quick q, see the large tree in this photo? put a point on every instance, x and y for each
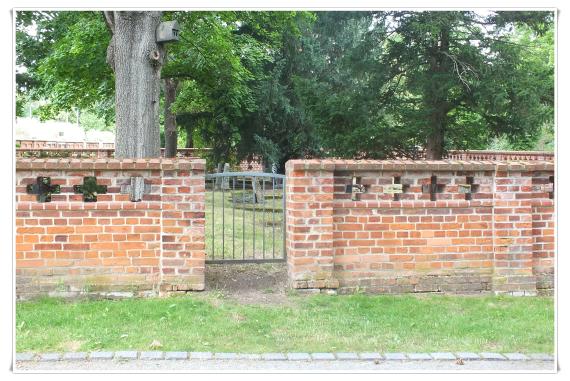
(464, 72)
(396, 83)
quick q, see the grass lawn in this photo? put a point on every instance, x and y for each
(207, 322)
(261, 224)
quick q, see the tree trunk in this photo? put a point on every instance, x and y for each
(436, 98)
(189, 139)
(170, 131)
(435, 140)
(136, 59)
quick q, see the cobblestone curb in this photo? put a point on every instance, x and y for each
(297, 356)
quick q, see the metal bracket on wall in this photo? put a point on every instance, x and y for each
(396, 188)
(469, 188)
(355, 188)
(137, 188)
(433, 188)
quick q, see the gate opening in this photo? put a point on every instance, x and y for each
(245, 219)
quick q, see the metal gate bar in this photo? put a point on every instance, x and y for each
(220, 183)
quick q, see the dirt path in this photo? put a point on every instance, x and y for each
(249, 283)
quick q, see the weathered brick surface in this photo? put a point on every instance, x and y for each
(309, 224)
(543, 232)
(68, 246)
(499, 239)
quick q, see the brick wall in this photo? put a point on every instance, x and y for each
(499, 238)
(543, 234)
(45, 144)
(68, 246)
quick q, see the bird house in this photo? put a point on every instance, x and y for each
(167, 31)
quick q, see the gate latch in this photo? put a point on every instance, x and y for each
(355, 188)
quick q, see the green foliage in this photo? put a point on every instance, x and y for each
(20, 105)
(307, 84)
(546, 141)
(279, 129)
(341, 91)
(65, 61)
(90, 121)
(389, 81)
(499, 143)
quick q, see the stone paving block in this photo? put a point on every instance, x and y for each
(249, 356)
(273, 356)
(75, 356)
(395, 356)
(541, 357)
(298, 356)
(468, 356)
(50, 357)
(176, 355)
(443, 356)
(346, 356)
(419, 356)
(225, 356)
(25, 356)
(101, 355)
(322, 356)
(201, 355)
(126, 355)
(515, 356)
(492, 356)
(152, 355)
(370, 356)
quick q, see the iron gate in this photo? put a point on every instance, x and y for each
(245, 219)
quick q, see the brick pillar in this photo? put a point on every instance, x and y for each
(309, 216)
(183, 216)
(513, 267)
(543, 227)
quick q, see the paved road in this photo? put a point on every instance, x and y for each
(256, 365)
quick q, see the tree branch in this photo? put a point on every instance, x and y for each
(110, 20)
(462, 69)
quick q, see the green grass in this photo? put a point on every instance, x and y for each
(315, 323)
(236, 226)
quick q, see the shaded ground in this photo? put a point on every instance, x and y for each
(249, 283)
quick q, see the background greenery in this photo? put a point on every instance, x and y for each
(308, 84)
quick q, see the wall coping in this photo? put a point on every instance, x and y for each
(419, 165)
(501, 152)
(110, 164)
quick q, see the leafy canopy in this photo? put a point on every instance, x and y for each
(304, 84)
